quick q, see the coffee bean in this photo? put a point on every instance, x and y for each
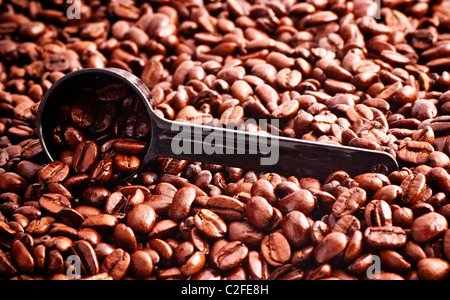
(22, 257)
(229, 254)
(87, 256)
(329, 247)
(378, 213)
(54, 172)
(412, 188)
(53, 203)
(296, 228)
(301, 200)
(100, 222)
(141, 264)
(141, 218)
(193, 264)
(432, 269)
(349, 202)
(210, 224)
(385, 237)
(125, 238)
(116, 264)
(415, 152)
(181, 204)
(275, 249)
(428, 227)
(12, 182)
(84, 157)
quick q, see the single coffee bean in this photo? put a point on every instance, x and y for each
(257, 266)
(228, 208)
(229, 255)
(21, 257)
(378, 213)
(100, 222)
(349, 202)
(53, 203)
(428, 227)
(243, 231)
(141, 265)
(432, 269)
(210, 224)
(331, 246)
(101, 172)
(12, 182)
(296, 226)
(85, 157)
(259, 212)
(415, 152)
(181, 204)
(394, 261)
(193, 264)
(141, 218)
(116, 264)
(54, 172)
(7, 267)
(126, 163)
(412, 188)
(301, 200)
(385, 237)
(125, 238)
(275, 249)
(88, 258)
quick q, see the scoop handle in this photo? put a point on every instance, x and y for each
(265, 153)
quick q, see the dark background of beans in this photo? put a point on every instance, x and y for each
(329, 72)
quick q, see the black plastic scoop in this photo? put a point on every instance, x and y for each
(223, 146)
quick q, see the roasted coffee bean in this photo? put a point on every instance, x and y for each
(101, 172)
(245, 232)
(259, 212)
(116, 264)
(193, 264)
(432, 269)
(126, 163)
(141, 218)
(378, 213)
(349, 202)
(22, 257)
(415, 152)
(276, 249)
(428, 227)
(228, 208)
(12, 182)
(257, 266)
(329, 247)
(228, 255)
(88, 258)
(181, 204)
(54, 172)
(85, 157)
(7, 267)
(210, 224)
(301, 200)
(385, 237)
(100, 222)
(125, 238)
(296, 226)
(412, 188)
(141, 265)
(53, 203)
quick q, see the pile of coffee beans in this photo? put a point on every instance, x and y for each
(331, 71)
(101, 131)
